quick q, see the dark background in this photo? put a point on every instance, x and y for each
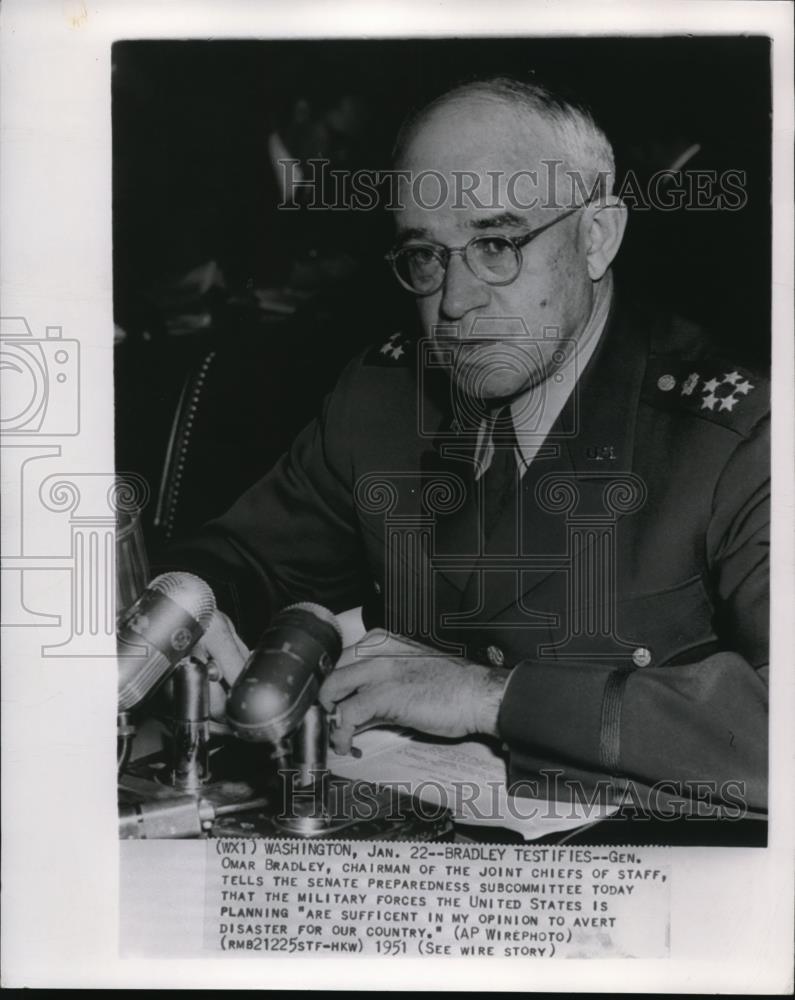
(193, 188)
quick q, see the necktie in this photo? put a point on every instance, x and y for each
(499, 480)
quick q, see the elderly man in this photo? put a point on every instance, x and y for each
(551, 505)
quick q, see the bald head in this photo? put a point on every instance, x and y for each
(503, 123)
(524, 249)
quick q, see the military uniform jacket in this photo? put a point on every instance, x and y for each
(625, 584)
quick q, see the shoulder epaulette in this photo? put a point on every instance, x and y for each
(710, 388)
(394, 352)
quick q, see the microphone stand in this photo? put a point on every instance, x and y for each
(125, 731)
(306, 813)
(190, 727)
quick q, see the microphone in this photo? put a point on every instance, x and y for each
(158, 630)
(281, 679)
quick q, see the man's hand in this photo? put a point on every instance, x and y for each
(223, 648)
(388, 680)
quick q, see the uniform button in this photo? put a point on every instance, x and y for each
(641, 657)
(666, 382)
(495, 656)
(376, 586)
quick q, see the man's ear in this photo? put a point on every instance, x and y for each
(605, 222)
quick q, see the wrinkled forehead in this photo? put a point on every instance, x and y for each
(477, 129)
(483, 146)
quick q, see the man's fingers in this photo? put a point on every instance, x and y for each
(345, 680)
(224, 647)
(354, 715)
(341, 739)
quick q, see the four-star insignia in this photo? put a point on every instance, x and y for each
(717, 393)
(714, 389)
(725, 392)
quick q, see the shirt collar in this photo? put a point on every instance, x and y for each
(533, 420)
(530, 429)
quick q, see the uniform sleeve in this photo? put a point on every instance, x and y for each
(702, 721)
(292, 536)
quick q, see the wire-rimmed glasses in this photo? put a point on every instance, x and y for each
(494, 258)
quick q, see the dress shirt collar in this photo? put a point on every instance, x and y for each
(535, 411)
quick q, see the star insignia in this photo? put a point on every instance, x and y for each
(393, 348)
(724, 392)
(395, 352)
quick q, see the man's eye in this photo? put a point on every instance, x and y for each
(419, 255)
(494, 246)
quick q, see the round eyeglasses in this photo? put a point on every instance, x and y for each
(495, 259)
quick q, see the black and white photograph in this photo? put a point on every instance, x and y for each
(398, 481)
(464, 335)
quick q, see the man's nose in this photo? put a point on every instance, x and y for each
(461, 291)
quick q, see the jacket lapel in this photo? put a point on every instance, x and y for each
(590, 446)
(591, 442)
(609, 391)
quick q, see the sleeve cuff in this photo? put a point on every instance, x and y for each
(564, 711)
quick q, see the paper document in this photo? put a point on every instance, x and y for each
(469, 777)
